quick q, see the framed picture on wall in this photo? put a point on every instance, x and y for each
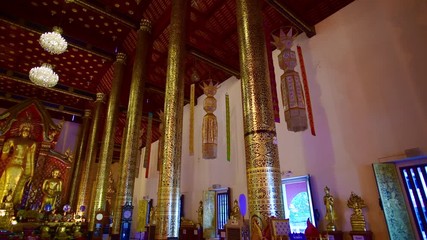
(298, 202)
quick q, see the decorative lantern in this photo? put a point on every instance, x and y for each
(210, 124)
(291, 88)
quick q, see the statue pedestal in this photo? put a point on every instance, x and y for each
(357, 235)
(333, 235)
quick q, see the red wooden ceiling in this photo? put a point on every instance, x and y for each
(97, 29)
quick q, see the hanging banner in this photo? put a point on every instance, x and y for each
(148, 144)
(142, 215)
(306, 91)
(227, 122)
(191, 143)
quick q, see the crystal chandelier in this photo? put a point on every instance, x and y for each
(44, 76)
(53, 42)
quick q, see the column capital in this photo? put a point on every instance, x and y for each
(87, 113)
(100, 97)
(145, 25)
(121, 57)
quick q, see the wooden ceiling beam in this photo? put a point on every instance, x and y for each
(213, 62)
(309, 30)
(10, 75)
(61, 108)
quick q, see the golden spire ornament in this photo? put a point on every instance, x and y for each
(290, 84)
(210, 124)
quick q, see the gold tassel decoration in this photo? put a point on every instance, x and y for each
(191, 143)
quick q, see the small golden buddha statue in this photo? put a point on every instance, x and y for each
(19, 152)
(45, 231)
(51, 189)
(235, 211)
(61, 232)
(357, 219)
(152, 220)
(330, 216)
(200, 213)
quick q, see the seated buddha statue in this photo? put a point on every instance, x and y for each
(357, 219)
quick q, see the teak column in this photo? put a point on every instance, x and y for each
(133, 125)
(107, 146)
(80, 154)
(167, 215)
(262, 157)
(91, 150)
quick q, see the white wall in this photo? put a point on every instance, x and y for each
(367, 77)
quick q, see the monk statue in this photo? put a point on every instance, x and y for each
(51, 189)
(19, 152)
(330, 216)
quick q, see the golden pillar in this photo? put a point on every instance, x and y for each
(160, 143)
(92, 148)
(262, 157)
(133, 125)
(167, 215)
(107, 146)
(80, 154)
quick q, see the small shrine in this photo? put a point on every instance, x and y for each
(33, 176)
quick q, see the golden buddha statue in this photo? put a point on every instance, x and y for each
(51, 189)
(235, 211)
(200, 213)
(45, 231)
(357, 219)
(152, 220)
(330, 216)
(61, 232)
(20, 153)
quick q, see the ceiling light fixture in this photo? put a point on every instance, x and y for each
(53, 42)
(44, 76)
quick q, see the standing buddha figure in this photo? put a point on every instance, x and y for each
(52, 188)
(330, 216)
(19, 152)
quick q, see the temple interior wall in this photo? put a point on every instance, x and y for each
(366, 73)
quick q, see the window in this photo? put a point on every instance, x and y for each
(223, 207)
(415, 178)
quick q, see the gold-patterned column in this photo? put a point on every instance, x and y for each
(80, 154)
(84, 193)
(167, 215)
(262, 157)
(107, 145)
(133, 124)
